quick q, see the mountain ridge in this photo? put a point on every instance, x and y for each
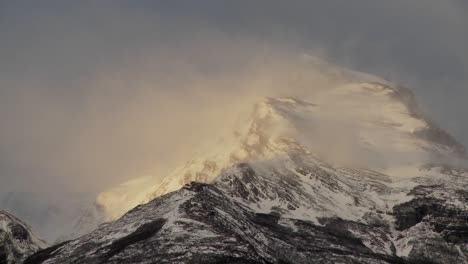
(17, 241)
(216, 223)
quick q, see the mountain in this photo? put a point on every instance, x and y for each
(17, 241)
(358, 124)
(353, 173)
(295, 210)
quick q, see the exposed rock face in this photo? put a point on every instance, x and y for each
(437, 227)
(16, 240)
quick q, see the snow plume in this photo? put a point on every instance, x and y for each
(360, 124)
(143, 115)
(94, 94)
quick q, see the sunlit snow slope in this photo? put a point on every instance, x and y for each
(360, 122)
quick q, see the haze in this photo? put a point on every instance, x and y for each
(95, 93)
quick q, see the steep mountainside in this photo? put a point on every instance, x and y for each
(294, 210)
(16, 239)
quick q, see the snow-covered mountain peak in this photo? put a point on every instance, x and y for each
(363, 124)
(348, 170)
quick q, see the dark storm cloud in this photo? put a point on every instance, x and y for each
(74, 77)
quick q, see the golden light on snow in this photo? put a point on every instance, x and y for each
(344, 117)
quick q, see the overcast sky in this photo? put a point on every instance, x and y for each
(87, 88)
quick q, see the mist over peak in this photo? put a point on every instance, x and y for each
(347, 118)
(96, 94)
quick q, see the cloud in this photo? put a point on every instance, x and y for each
(92, 93)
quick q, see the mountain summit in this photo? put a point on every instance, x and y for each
(363, 125)
(349, 173)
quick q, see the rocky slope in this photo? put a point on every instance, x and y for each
(295, 210)
(16, 240)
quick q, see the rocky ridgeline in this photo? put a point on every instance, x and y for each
(222, 222)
